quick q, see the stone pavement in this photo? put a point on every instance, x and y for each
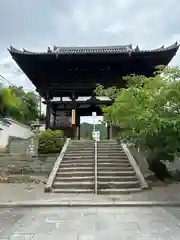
(90, 223)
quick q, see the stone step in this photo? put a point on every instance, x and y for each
(116, 160)
(74, 173)
(58, 190)
(118, 184)
(79, 154)
(112, 158)
(121, 153)
(76, 169)
(77, 141)
(114, 164)
(80, 151)
(115, 146)
(88, 146)
(76, 164)
(72, 161)
(110, 148)
(81, 144)
(117, 178)
(74, 184)
(113, 154)
(109, 153)
(105, 147)
(119, 168)
(100, 145)
(75, 178)
(81, 147)
(114, 191)
(116, 173)
(82, 141)
(105, 150)
(78, 157)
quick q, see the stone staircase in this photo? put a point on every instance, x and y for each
(76, 171)
(115, 172)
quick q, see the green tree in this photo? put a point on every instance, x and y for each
(18, 104)
(149, 111)
(28, 106)
(9, 103)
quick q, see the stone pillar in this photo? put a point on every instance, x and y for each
(78, 136)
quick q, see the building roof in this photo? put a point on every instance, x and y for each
(63, 71)
(93, 50)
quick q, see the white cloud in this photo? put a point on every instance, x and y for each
(10, 71)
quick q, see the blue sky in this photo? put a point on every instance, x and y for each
(35, 25)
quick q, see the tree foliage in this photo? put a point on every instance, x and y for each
(9, 103)
(51, 141)
(149, 110)
(18, 104)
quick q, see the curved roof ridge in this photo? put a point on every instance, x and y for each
(94, 49)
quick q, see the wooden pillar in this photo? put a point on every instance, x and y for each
(109, 131)
(79, 131)
(48, 114)
(78, 124)
(73, 97)
(54, 122)
(73, 122)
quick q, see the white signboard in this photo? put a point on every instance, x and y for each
(96, 135)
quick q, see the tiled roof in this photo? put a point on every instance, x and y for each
(93, 50)
(110, 49)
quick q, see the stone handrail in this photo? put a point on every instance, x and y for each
(141, 159)
(135, 167)
(53, 173)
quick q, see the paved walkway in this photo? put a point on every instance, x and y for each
(90, 224)
(33, 192)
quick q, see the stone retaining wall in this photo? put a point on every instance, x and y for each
(21, 164)
(20, 146)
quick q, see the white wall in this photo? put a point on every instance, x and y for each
(42, 128)
(14, 129)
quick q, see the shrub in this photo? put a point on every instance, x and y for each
(51, 141)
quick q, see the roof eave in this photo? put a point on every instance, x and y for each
(107, 50)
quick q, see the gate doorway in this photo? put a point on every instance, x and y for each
(87, 126)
